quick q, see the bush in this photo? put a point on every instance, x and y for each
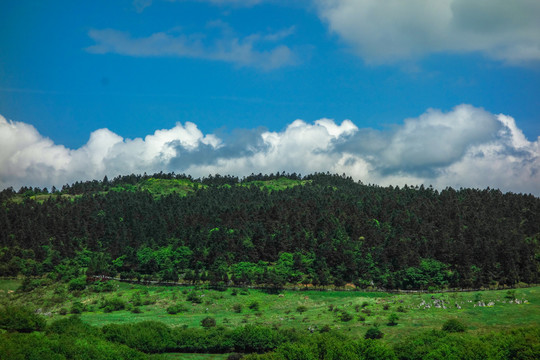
(20, 319)
(326, 328)
(373, 333)
(208, 322)
(259, 339)
(392, 320)
(254, 305)
(113, 304)
(194, 297)
(77, 307)
(77, 284)
(145, 336)
(453, 325)
(345, 316)
(175, 309)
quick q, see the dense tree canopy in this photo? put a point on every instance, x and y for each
(320, 229)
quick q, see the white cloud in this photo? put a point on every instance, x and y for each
(465, 147)
(394, 30)
(252, 50)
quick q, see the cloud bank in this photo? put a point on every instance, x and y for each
(465, 147)
(394, 30)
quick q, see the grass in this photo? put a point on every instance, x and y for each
(164, 187)
(178, 356)
(10, 284)
(416, 313)
(281, 183)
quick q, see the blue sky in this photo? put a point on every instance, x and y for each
(84, 86)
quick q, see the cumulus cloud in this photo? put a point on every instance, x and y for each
(393, 30)
(464, 147)
(255, 50)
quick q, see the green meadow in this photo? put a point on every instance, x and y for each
(350, 312)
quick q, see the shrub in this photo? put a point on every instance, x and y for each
(102, 286)
(345, 316)
(63, 311)
(77, 307)
(453, 325)
(77, 284)
(256, 339)
(175, 309)
(392, 320)
(194, 297)
(20, 319)
(113, 304)
(367, 312)
(208, 322)
(510, 294)
(373, 333)
(326, 328)
(146, 336)
(254, 305)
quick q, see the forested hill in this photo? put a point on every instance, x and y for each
(319, 229)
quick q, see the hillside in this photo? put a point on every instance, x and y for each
(272, 230)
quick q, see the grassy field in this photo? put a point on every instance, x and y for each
(163, 187)
(352, 312)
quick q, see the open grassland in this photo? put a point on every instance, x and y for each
(164, 187)
(351, 312)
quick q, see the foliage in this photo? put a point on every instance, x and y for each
(13, 318)
(392, 319)
(77, 284)
(208, 322)
(453, 325)
(177, 308)
(374, 333)
(274, 230)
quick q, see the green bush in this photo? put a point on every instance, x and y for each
(77, 284)
(77, 307)
(345, 316)
(175, 309)
(194, 297)
(146, 336)
(392, 320)
(113, 304)
(259, 339)
(102, 286)
(208, 322)
(373, 333)
(254, 305)
(453, 325)
(20, 319)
